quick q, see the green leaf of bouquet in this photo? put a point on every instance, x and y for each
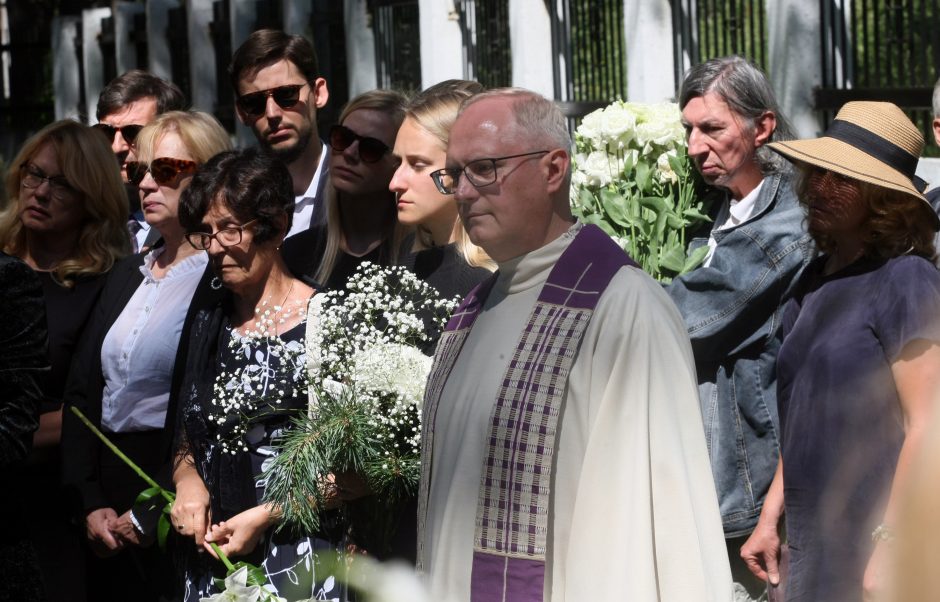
(163, 529)
(656, 203)
(600, 222)
(694, 259)
(615, 206)
(676, 222)
(644, 176)
(147, 494)
(694, 214)
(255, 576)
(587, 200)
(672, 258)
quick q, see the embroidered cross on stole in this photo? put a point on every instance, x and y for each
(514, 497)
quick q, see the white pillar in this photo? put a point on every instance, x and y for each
(530, 36)
(297, 17)
(125, 49)
(794, 64)
(441, 44)
(158, 46)
(360, 48)
(65, 85)
(92, 57)
(649, 42)
(202, 74)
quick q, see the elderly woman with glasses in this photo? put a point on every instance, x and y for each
(245, 379)
(361, 215)
(126, 368)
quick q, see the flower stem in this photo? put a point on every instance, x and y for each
(228, 563)
(167, 495)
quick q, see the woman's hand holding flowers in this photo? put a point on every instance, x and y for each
(240, 534)
(191, 515)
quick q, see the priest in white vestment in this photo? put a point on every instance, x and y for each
(629, 510)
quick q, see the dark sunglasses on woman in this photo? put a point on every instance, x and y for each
(128, 131)
(253, 104)
(371, 150)
(164, 170)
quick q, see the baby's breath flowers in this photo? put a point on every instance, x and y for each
(367, 364)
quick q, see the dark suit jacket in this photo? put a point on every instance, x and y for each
(89, 469)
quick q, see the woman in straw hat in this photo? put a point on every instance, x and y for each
(860, 363)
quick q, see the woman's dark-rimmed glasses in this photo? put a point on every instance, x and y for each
(33, 177)
(371, 150)
(226, 237)
(480, 172)
(164, 170)
(253, 104)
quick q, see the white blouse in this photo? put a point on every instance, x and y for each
(139, 351)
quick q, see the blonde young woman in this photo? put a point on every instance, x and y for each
(361, 223)
(128, 366)
(66, 218)
(440, 252)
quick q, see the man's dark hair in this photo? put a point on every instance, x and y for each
(136, 85)
(253, 184)
(268, 46)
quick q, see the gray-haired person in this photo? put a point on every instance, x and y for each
(731, 304)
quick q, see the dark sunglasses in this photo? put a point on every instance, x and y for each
(129, 132)
(370, 149)
(253, 104)
(165, 170)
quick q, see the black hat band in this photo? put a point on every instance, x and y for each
(872, 144)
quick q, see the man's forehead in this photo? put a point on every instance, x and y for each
(484, 127)
(282, 72)
(138, 112)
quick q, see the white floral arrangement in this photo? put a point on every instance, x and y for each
(367, 366)
(632, 177)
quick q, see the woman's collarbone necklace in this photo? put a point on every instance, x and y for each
(266, 321)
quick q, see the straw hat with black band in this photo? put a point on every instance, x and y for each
(873, 142)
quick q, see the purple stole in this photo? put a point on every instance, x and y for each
(514, 498)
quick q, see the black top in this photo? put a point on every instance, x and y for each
(67, 312)
(445, 269)
(23, 361)
(303, 252)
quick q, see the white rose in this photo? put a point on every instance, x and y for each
(666, 173)
(617, 126)
(599, 169)
(591, 129)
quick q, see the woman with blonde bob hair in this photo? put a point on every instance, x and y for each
(440, 251)
(858, 373)
(129, 367)
(360, 210)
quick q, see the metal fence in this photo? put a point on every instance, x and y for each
(484, 27)
(397, 43)
(589, 54)
(707, 29)
(881, 50)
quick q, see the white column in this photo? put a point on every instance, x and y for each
(158, 46)
(65, 85)
(92, 57)
(794, 65)
(441, 44)
(360, 48)
(649, 39)
(125, 50)
(297, 17)
(202, 74)
(530, 36)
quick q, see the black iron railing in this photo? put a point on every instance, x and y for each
(221, 34)
(177, 34)
(484, 27)
(397, 43)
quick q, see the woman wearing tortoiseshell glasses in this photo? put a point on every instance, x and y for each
(125, 371)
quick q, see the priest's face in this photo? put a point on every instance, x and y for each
(504, 193)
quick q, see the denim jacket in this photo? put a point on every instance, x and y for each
(732, 310)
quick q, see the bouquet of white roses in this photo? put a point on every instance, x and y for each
(367, 367)
(632, 177)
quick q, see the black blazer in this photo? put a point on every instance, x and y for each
(89, 470)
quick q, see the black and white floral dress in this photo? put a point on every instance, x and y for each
(234, 412)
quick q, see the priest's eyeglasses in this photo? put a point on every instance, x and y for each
(480, 172)
(226, 237)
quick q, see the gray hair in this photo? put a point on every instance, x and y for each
(744, 87)
(539, 118)
(936, 100)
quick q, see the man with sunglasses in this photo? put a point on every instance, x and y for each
(562, 423)
(278, 91)
(128, 103)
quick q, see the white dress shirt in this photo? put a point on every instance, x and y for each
(305, 204)
(139, 351)
(738, 212)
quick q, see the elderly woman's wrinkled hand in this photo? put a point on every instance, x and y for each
(191, 515)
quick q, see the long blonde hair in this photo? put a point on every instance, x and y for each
(90, 167)
(392, 103)
(435, 110)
